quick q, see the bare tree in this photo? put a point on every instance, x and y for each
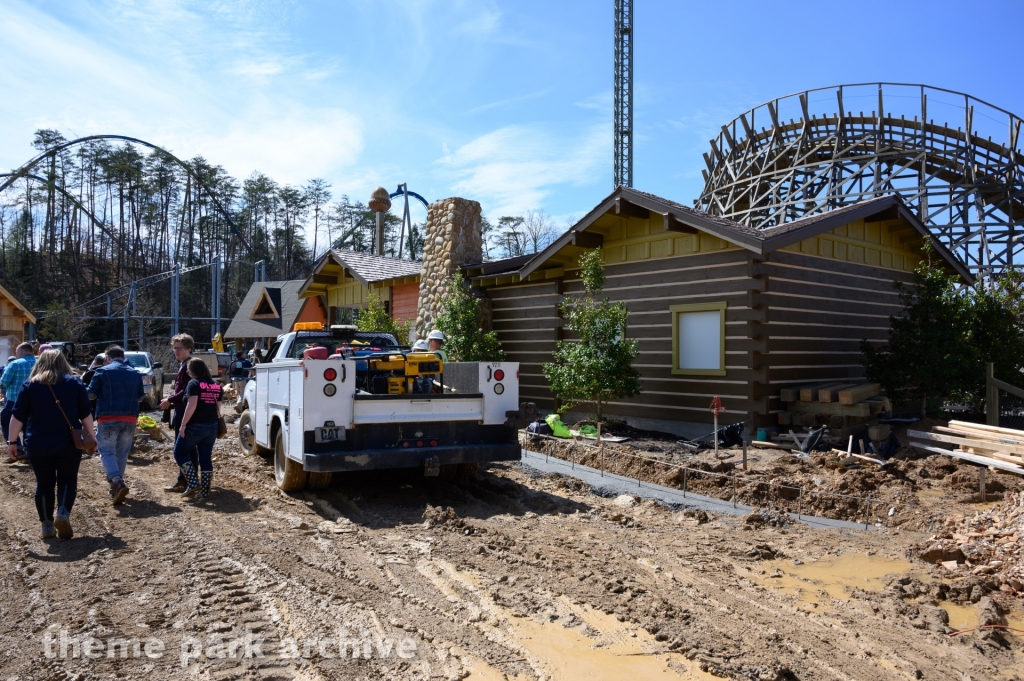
(317, 194)
(539, 230)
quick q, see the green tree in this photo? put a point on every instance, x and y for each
(461, 322)
(60, 324)
(375, 318)
(599, 366)
(945, 334)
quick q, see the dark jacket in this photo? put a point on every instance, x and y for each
(117, 389)
(46, 432)
(177, 396)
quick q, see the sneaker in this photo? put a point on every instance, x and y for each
(176, 487)
(47, 531)
(62, 524)
(118, 491)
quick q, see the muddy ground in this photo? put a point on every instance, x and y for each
(915, 491)
(509, 575)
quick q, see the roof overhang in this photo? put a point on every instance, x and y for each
(17, 303)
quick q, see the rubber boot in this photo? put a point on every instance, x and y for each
(205, 478)
(189, 471)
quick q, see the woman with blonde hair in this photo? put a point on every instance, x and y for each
(51, 405)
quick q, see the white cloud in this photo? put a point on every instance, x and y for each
(511, 100)
(516, 168)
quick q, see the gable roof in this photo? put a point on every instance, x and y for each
(17, 303)
(680, 218)
(284, 295)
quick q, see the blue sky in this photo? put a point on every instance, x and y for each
(508, 103)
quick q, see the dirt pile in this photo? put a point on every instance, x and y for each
(990, 543)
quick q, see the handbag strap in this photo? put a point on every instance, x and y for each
(66, 420)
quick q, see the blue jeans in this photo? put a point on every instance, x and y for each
(199, 438)
(5, 424)
(115, 440)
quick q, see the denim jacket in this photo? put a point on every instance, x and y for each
(117, 389)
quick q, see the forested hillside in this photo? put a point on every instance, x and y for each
(99, 215)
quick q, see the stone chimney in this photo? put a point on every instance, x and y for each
(451, 239)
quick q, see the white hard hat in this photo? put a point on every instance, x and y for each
(420, 345)
(435, 335)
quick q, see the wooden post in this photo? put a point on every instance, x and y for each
(991, 396)
(981, 484)
(716, 434)
(744, 455)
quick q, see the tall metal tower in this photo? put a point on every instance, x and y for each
(624, 93)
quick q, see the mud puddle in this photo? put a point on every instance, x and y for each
(817, 582)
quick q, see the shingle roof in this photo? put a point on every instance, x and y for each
(283, 293)
(759, 241)
(367, 268)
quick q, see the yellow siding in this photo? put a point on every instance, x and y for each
(631, 239)
(353, 294)
(863, 243)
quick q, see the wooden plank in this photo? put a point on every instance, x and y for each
(973, 458)
(861, 409)
(990, 438)
(785, 418)
(968, 442)
(810, 393)
(831, 393)
(1010, 432)
(793, 394)
(861, 392)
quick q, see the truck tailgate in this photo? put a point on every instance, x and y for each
(397, 408)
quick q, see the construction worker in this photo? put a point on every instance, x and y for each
(182, 345)
(435, 339)
(15, 375)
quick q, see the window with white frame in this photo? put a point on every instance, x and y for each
(698, 339)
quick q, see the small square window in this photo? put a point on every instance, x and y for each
(698, 339)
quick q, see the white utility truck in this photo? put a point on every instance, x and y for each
(331, 400)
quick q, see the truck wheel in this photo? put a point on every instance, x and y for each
(247, 437)
(319, 480)
(288, 473)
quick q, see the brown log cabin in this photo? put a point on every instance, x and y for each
(719, 308)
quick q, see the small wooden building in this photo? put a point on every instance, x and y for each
(719, 308)
(271, 308)
(347, 278)
(14, 317)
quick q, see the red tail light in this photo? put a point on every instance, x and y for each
(517, 374)
(433, 443)
(330, 374)
(419, 443)
(499, 375)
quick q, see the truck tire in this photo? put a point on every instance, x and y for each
(287, 473)
(247, 437)
(319, 480)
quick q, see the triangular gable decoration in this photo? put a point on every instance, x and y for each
(265, 307)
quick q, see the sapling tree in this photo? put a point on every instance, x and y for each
(599, 366)
(461, 322)
(375, 318)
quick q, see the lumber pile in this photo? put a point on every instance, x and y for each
(842, 406)
(990, 543)
(1001, 448)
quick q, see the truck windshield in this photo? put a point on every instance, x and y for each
(136, 360)
(335, 345)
